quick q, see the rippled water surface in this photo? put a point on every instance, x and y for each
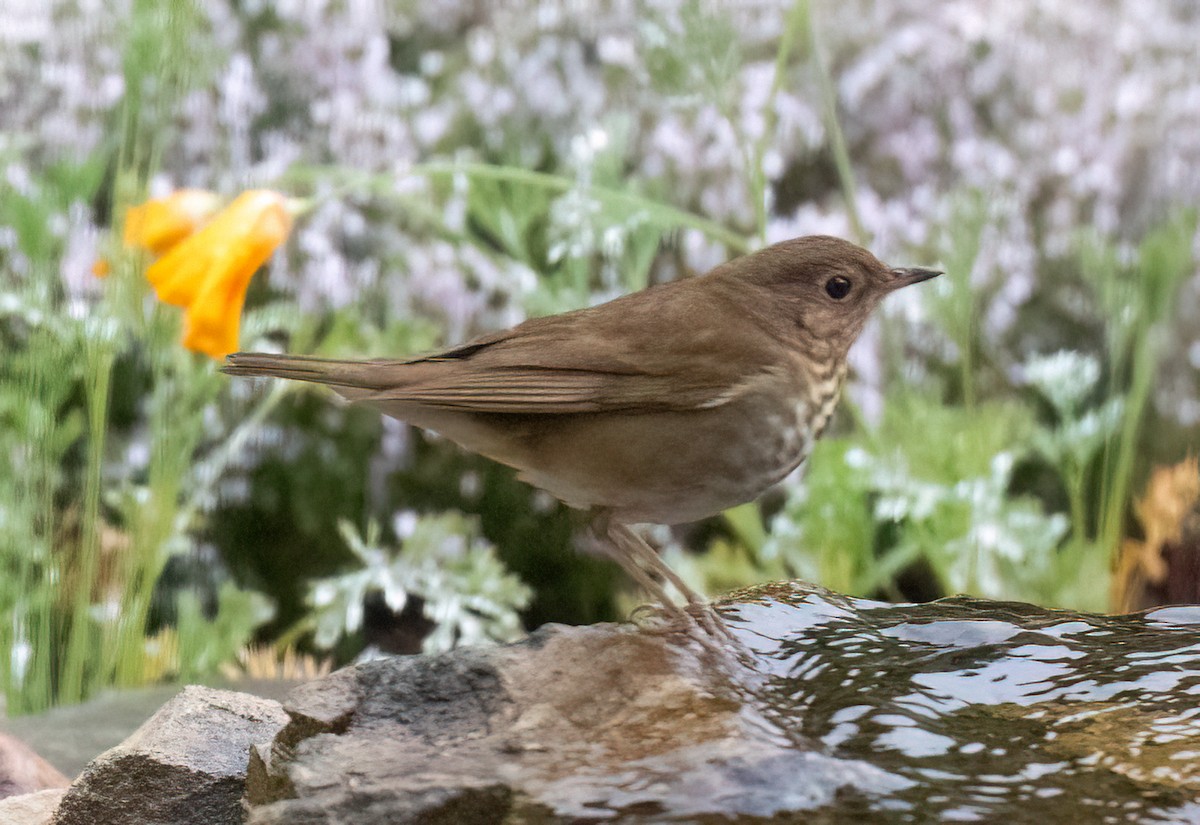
(982, 711)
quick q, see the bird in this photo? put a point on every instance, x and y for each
(664, 406)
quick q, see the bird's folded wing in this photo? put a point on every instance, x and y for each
(547, 390)
(578, 363)
(625, 356)
(449, 381)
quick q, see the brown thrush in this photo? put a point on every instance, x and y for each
(664, 406)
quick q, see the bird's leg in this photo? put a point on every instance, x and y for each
(628, 561)
(698, 610)
(630, 551)
(637, 547)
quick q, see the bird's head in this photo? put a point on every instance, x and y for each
(821, 289)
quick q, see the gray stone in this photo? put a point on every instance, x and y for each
(186, 765)
(71, 736)
(537, 732)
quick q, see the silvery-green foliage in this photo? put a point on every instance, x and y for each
(934, 483)
(930, 482)
(827, 514)
(1068, 379)
(465, 589)
(1079, 439)
(980, 539)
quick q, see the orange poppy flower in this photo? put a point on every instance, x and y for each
(207, 272)
(159, 224)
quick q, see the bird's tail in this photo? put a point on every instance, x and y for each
(353, 375)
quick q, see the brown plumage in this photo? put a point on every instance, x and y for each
(667, 405)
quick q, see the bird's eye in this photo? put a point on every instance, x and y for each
(838, 287)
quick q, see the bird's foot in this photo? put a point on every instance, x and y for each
(695, 616)
(706, 617)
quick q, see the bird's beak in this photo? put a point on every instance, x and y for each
(911, 275)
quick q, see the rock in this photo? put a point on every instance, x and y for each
(835, 710)
(71, 736)
(22, 771)
(35, 808)
(186, 764)
(533, 730)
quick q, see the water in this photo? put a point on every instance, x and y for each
(970, 711)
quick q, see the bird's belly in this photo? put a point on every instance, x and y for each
(657, 467)
(669, 468)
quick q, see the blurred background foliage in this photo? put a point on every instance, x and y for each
(468, 165)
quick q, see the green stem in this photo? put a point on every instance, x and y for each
(211, 471)
(837, 141)
(80, 636)
(172, 442)
(1119, 477)
(967, 369)
(29, 592)
(797, 24)
(1077, 502)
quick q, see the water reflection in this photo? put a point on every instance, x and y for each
(983, 711)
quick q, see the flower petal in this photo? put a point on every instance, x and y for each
(160, 223)
(208, 272)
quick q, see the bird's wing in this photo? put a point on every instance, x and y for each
(628, 355)
(450, 383)
(623, 356)
(538, 389)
